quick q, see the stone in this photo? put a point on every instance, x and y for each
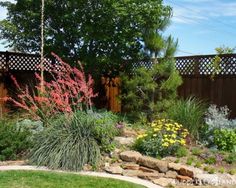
(169, 159)
(175, 166)
(164, 181)
(189, 171)
(130, 156)
(127, 132)
(150, 176)
(186, 172)
(184, 179)
(161, 166)
(124, 140)
(131, 166)
(87, 167)
(171, 174)
(145, 169)
(114, 170)
(131, 173)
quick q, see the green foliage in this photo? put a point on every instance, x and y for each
(105, 129)
(230, 158)
(163, 139)
(100, 33)
(225, 50)
(14, 143)
(190, 113)
(196, 151)
(181, 152)
(150, 92)
(216, 64)
(210, 160)
(198, 164)
(211, 171)
(225, 139)
(221, 170)
(190, 160)
(232, 172)
(67, 145)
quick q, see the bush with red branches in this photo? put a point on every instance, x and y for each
(68, 91)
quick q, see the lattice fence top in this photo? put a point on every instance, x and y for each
(25, 62)
(200, 65)
(188, 65)
(204, 65)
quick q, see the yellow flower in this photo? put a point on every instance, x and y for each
(182, 142)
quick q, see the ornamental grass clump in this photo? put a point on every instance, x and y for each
(162, 139)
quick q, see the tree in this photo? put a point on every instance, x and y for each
(101, 33)
(224, 50)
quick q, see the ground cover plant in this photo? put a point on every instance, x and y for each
(31, 179)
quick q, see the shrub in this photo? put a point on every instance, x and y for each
(69, 90)
(230, 159)
(163, 139)
(68, 145)
(149, 92)
(190, 160)
(225, 139)
(221, 170)
(217, 118)
(198, 164)
(196, 151)
(189, 113)
(232, 172)
(14, 143)
(210, 160)
(107, 126)
(181, 152)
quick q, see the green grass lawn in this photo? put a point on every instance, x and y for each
(32, 179)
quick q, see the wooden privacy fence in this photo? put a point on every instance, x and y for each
(195, 70)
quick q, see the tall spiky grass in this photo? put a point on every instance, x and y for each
(189, 113)
(68, 145)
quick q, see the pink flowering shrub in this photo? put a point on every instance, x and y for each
(68, 91)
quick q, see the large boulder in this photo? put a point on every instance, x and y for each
(161, 166)
(130, 156)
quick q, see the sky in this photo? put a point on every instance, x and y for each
(199, 25)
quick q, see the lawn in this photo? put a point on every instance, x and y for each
(34, 179)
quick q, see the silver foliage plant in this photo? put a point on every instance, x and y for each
(218, 118)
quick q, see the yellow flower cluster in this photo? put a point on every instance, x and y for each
(170, 132)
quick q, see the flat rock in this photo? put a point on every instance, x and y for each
(164, 181)
(161, 166)
(189, 171)
(171, 174)
(185, 179)
(126, 132)
(114, 170)
(145, 169)
(124, 140)
(150, 176)
(131, 166)
(175, 166)
(130, 156)
(131, 173)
